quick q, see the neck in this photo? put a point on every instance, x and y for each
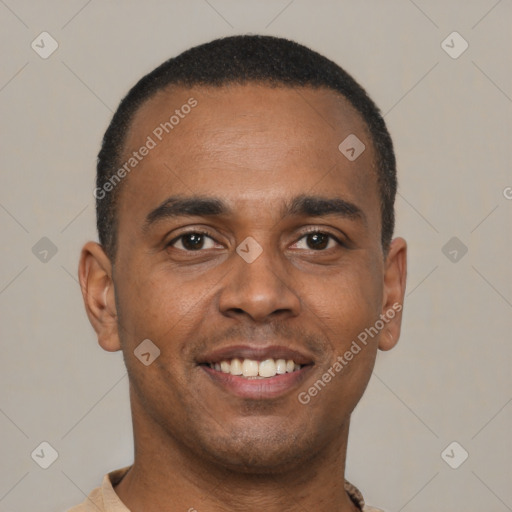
(168, 477)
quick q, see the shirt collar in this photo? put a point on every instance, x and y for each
(114, 504)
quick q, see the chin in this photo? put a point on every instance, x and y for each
(263, 452)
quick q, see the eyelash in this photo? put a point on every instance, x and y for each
(203, 232)
(191, 232)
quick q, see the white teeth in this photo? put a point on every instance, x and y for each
(280, 366)
(236, 367)
(256, 369)
(250, 368)
(267, 368)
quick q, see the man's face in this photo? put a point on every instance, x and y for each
(258, 153)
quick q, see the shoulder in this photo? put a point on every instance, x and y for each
(357, 498)
(93, 503)
(104, 498)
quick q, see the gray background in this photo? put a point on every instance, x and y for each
(449, 378)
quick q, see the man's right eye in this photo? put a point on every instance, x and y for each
(193, 241)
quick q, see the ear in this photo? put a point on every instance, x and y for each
(395, 275)
(95, 275)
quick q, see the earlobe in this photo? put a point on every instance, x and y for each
(95, 276)
(395, 277)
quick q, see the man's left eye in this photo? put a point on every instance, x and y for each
(317, 241)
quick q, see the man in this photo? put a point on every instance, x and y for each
(247, 271)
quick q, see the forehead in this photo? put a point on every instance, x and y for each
(224, 116)
(246, 143)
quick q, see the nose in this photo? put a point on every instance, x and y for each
(260, 290)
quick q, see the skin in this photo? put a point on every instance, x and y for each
(255, 148)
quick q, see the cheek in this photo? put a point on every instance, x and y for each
(154, 303)
(154, 306)
(347, 301)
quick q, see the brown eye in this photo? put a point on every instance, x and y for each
(193, 241)
(317, 240)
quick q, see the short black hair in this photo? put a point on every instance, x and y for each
(242, 59)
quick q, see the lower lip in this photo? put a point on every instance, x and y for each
(258, 389)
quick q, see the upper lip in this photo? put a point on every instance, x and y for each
(256, 353)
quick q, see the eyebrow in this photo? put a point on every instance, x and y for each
(316, 206)
(195, 206)
(303, 205)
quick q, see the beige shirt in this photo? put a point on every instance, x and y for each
(105, 499)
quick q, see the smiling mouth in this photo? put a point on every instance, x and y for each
(253, 369)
